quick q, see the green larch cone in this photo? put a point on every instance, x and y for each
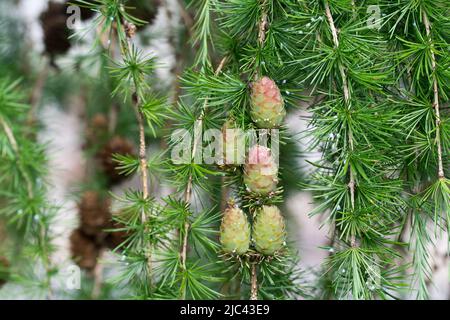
(260, 171)
(235, 231)
(269, 230)
(267, 105)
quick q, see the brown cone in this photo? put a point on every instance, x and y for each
(56, 33)
(117, 145)
(84, 250)
(94, 214)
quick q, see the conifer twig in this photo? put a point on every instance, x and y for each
(114, 110)
(14, 145)
(334, 32)
(144, 176)
(10, 136)
(262, 28)
(427, 24)
(142, 148)
(188, 191)
(223, 194)
(129, 30)
(36, 92)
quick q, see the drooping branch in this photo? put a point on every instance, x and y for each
(42, 230)
(334, 32)
(129, 29)
(188, 191)
(142, 148)
(262, 27)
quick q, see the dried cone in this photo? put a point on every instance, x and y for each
(4, 271)
(94, 213)
(85, 251)
(269, 230)
(54, 25)
(267, 105)
(260, 171)
(97, 130)
(234, 231)
(117, 145)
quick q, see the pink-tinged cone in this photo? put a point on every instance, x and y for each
(267, 105)
(260, 171)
